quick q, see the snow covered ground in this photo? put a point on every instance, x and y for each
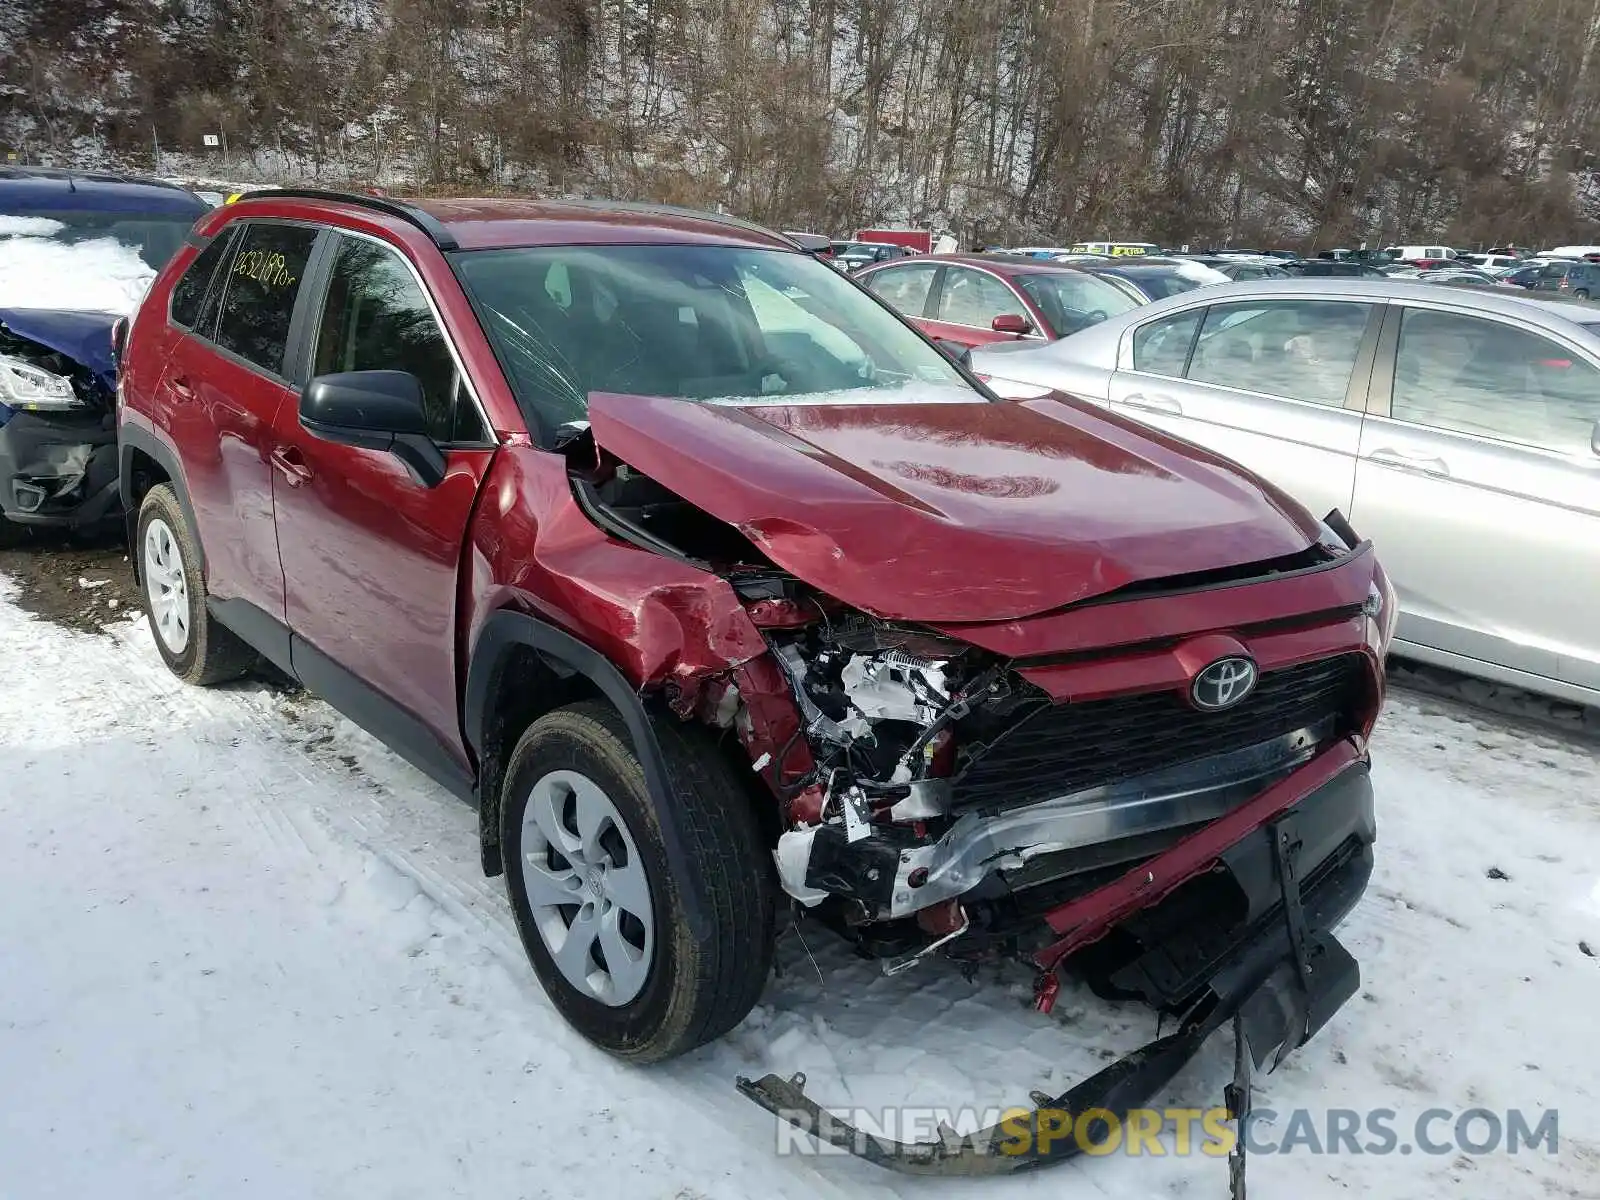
(246, 952)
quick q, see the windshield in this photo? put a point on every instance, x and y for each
(154, 237)
(708, 323)
(1073, 300)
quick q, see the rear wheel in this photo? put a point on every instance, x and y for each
(194, 646)
(1581, 293)
(600, 911)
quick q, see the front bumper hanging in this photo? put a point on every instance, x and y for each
(1278, 991)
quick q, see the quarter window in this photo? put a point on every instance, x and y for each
(259, 292)
(377, 319)
(1162, 347)
(189, 293)
(904, 289)
(1297, 349)
(1472, 375)
(973, 298)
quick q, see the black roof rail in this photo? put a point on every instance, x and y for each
(435, 229)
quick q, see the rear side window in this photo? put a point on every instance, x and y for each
(189, 294)
(259, 292)
(1162, 347)
(904, 288)
(1298, 349)
(377, 319)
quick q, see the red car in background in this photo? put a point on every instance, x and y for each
(975, 299)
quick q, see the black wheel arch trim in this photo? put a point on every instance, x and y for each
(566, 655)
(129, 439)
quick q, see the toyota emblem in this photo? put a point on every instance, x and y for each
(1223, 684)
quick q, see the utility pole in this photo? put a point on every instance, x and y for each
(156, 142)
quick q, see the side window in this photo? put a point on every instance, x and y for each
(904, 288)
(1554, 272)
(189, 293)
(973, 298)
(1162, 347)
(1472, 375)
(259, 292)
(376, 318)
(1298, 349)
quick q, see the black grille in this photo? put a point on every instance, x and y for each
(1067, 747)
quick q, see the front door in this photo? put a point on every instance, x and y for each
(967, 303)
(1275, 385)
(1479, 485)
(372, 559)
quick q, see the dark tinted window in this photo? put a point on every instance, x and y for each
(156, 237)
(190, 291)
(1478, 376)
(1299, 349)
(259, 292)
(1162, 347)
(377, 319)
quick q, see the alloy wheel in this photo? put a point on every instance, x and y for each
(166, 586)
(587, 888)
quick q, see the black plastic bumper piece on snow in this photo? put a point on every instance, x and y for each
(1278, 990)
(1045, 1135)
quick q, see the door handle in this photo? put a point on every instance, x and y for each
(1413, 461)
(181, 388)
(1155, 404)
(291, 465)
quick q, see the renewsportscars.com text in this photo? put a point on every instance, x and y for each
(1159, 1132)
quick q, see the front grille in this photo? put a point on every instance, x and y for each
(1067, 747)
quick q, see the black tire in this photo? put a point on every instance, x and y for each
(12, 535)
(694, 992)
(212, 653)
(1582, 293)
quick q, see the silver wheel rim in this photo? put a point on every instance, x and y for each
(166, 586)
(587, 888)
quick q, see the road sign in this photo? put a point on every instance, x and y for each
(211, 139)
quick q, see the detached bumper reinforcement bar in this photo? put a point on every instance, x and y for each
(1278, 992)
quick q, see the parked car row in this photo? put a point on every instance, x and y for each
(721, 592)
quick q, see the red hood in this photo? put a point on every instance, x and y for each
(952, 512)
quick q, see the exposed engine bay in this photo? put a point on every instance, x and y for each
(902, 829)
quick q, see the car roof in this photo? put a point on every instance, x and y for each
(1504, 301)
(53, 189)
(492, 223)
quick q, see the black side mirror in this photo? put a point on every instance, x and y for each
(374, 410)
(954, 349)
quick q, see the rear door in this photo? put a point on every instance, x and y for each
(1276, 385)
(223, 387)
(966, 303)
(372, 559)
(1479, 485)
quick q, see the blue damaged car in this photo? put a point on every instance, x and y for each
(76, 250)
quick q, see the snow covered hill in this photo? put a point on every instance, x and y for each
(246, 952)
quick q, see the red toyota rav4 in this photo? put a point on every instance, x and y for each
(729, 599)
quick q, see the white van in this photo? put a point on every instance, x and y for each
(1569, 252)
(1407, 253)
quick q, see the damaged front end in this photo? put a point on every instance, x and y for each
(1055, 789)
(57, 420)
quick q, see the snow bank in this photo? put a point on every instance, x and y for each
(28, 226)
(102, 275)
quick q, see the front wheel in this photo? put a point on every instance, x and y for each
(194, 646)
(599, 908)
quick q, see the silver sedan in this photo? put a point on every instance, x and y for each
(1458, 429)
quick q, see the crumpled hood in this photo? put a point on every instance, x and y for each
(84, 337)
(952, 512)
